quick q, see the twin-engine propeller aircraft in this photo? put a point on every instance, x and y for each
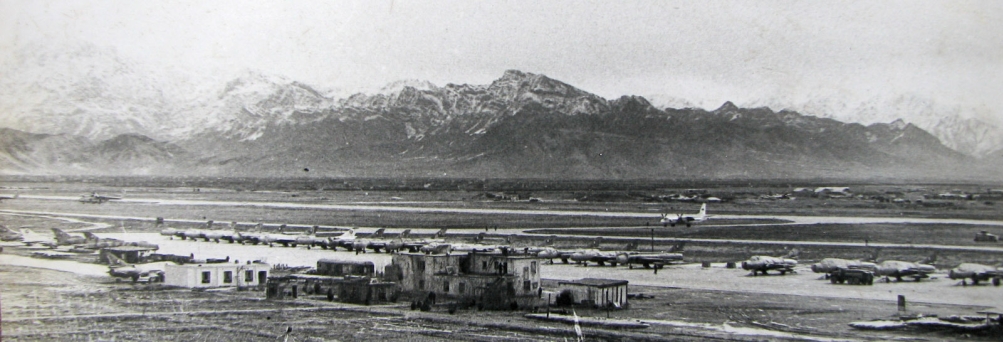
(688, 220)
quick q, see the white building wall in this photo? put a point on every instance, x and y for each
(191, 275)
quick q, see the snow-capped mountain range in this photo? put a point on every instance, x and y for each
(520, 125)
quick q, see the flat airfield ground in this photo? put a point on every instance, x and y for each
(684, 311)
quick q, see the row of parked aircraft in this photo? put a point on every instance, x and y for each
(436, 244)
(905, 269)
(86, 241)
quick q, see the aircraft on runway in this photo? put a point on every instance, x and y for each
(29, 237)
(977, 273)
(118, 268)
(657, 260)
(65, 239)
(98, 199)
(688, 220)
(760, 263)
(16, 194)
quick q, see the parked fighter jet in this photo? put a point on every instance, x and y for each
(760, 263)
(231, 235)
(658, 260)
(29, 238)
(9, 235)
(415, 244)
(65, 239)
(97, 199)
(286, 240)
(195, 233)
(253, 236)
(477, 246)
(377, 244)
(312, 240)
(899, 269)
(976, 273)
(95, 242)
(118, 268)
(345, 240)
(688, 220)
(829, 265)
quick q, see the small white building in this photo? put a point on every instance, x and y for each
(216, 275)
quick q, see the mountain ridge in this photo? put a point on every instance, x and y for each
(520, 125)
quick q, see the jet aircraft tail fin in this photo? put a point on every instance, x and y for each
(60, 234)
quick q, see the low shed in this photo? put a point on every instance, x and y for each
(593, 291)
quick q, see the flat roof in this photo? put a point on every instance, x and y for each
(130, 249)
(594, 282)
(346, 262)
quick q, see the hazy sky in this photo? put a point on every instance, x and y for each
(812, 55)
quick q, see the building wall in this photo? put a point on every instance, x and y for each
(469, 276)
(332, 268)
(418, 270)
(192, 275)
(526, 271)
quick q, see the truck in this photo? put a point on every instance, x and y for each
(853, 277)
